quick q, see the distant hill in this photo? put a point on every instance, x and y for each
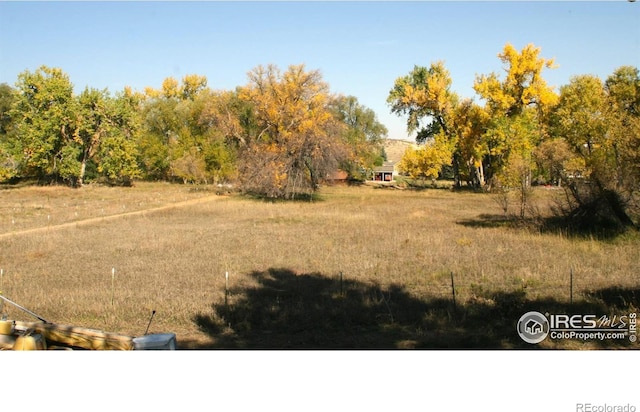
(395, 148)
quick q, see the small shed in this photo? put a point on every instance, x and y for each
(384, 173)
(337, 177)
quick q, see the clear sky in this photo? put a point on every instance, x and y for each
(360, 47)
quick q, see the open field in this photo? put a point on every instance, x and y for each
(359, 267)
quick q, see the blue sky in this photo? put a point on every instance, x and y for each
(360, 47)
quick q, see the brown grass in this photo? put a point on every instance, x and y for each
(395, 249)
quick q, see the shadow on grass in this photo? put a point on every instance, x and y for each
(486, 220)
(550, 225)
(429, 185)
(294, 198)
(312, 311)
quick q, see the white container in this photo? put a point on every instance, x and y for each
(157, 341)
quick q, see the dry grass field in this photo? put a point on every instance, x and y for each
(357, 267)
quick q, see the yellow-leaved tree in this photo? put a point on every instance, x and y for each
(518, 106)
(426, 161)
(601, 124)
(297, 139)
(523, 86)
(425, 97)
(469, 124)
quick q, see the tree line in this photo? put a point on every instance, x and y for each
(586, 137)
(283, 132)
(277, 136)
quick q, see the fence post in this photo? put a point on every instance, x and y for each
(226, 288)
(453, 292)
(113, 283)
(571, 285)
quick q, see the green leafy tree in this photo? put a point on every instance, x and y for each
(159, 125)
(8, 155)
(102, 120)
(166, 131)
(226, 120)
(514, 139)
(191, 133)
(7, 96)
(118, 160)
(95, 123)
(44, 115)
(623, 91)
(186, 150)
(623, 87)
(600, 124)
(363, 135)
(118, 154)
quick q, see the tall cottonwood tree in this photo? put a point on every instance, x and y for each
(363, 135)
(6, 101)
(118, 154)
(191, 132)
(523, 85)
(159, 130)
(297, 140)
(623, 91)
(518, 106)
(469, 125)
(8, 155)
(450, 128)
(227, 121)
(425, 97)
(600, 124)
(94, 123)
(105, 121)
(56, 134)
(482, 141)
(44, 116)
(170, 127)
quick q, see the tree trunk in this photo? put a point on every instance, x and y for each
(457, 181)
(616, 204)
(479, 172)
(83, 168)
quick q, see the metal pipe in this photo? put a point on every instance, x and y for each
(152, 313)
(24, 309)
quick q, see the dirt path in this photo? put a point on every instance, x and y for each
(109, 217)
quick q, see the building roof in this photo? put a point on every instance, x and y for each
(386, 167)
